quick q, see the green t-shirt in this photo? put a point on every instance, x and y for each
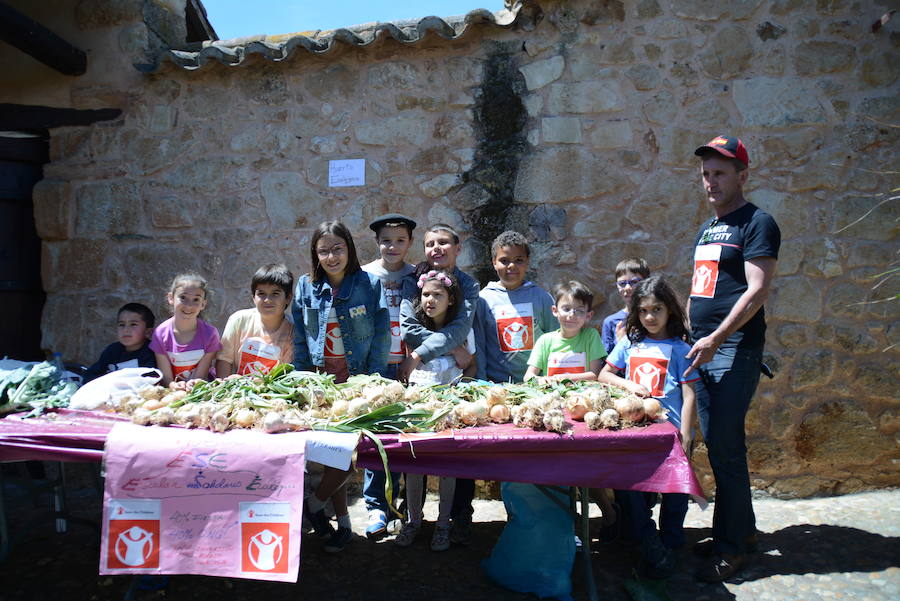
(553, 354)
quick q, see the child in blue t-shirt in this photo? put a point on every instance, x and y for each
(652, 355)
(629, 273)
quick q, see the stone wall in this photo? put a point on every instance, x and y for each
(578, 132)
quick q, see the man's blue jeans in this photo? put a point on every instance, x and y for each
(724, 392)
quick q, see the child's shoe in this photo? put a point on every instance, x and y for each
(339, 540)
(440, 540)
(657, 562)
(461, 530)
(321, 525)
(407, 534)
(377, 525)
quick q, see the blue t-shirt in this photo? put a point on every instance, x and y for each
(609, 329)
(657, 365)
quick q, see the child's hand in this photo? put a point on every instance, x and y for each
(406, 366)
(620, 330)
(637, 389)
(462, 357)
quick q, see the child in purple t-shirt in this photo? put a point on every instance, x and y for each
(184, 344)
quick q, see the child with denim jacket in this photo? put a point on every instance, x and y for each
(341, 327)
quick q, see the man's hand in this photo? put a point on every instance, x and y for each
(406, 366)
(462, 357)
(702, 352)
(687, 445)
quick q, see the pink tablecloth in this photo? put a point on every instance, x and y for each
(648, 458)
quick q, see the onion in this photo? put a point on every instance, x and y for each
(472, 413)
(245, 418)
(630, 408)
(340, 407)
(358, 406)
(496, 395)
(652, 408)
(273, 423)
(578, 412)
(153, 404)
(499, 413)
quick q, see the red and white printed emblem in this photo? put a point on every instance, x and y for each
(515, 327)
(334, 343)
(265, 537)
(706, 270)
(184, 362)
(133, 534)
(648, 365)
(258, 356)
(566, 363)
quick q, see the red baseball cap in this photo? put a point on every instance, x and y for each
(727, 146)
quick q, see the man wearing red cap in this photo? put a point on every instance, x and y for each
(734, 261)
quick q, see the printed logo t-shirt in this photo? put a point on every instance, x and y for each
(391, 284)
(554, 354)
(185, 357)
(250, 349)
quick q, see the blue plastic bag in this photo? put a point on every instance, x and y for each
(536, 550)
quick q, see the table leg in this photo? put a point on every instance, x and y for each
(585, 523)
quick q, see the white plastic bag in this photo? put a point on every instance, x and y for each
(106, 390)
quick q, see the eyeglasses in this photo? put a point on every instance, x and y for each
(571, 311)
(632, 282)
(337, 251)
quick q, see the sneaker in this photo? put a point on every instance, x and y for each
(721, 568)
(440, 540)
(339, 540)
(407, 534)
(376, 527)
(662, 568)
(461, 530)
(321, 525)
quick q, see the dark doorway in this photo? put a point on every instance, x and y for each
(21, 294)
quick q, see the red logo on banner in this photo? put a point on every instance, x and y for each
(264, 547)
(133, 544)
(515, 333)
(649, 372)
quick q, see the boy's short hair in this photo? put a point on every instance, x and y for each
(276, 274)
(509, 238)
(443, 227)
(635, 265)
(392, 220)
(576, 290)
(142, 310)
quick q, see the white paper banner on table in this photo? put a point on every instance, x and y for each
(346, 172)
(181, 501)
(334, 449)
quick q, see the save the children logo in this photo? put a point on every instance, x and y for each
(648, 365)
(265, 537)
(334, 343)
(706, 270)
(515, 327)
(132, 539)
(258, 356)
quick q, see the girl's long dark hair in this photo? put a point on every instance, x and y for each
(453, 291)
(656, 286)
(333, 228)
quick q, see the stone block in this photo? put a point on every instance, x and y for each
(823, 259)
(464, 71)
(540, 73)
(151, 266)
(844, 300)
(647, 9)
(108, 208)
(796, 214)
(289, 201)
(471, 196)
(671, 29)
(168, 211)
(452, 130)
(702, 10)
(429, 159)
(818, 58)
(812, 368)
(652, 52)
(562, 130)
(677, 145)
(612, 134)
(796, 299)
(880, 71)
(790, 256)
(660, 108)
(393, 130)
(863, 253)
(265, 85)
(534, 104)
(548, 223)
(442, 212)
(793, 335)
(74, 265)
(598, 225)
(536, 45)
(440, 185)
(840, 434)
(870, 221)
(773, 102)
(728, 54)
(619, 52)
(97, 14)
(855, 341)
(603, 257)
(643, 77)
(586, 97)
(53, 218)
(404, 102)
(559, 174)
(323, 144)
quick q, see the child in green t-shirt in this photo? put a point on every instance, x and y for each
(575, 351)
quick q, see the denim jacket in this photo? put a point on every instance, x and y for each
(363, 317)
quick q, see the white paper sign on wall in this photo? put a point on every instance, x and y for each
(346, 172)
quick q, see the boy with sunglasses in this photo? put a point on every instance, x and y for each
(629, 273)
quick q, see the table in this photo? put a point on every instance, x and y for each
(648, 458)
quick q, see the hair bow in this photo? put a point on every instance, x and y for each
(435, 275)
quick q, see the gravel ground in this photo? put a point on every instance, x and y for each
(833, 548)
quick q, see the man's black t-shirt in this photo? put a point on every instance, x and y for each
(721, 248)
